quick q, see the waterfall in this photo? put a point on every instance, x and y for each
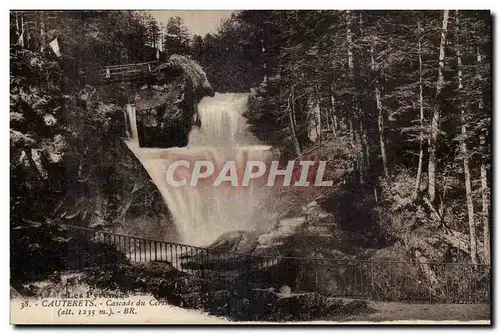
(126, 118)
(204, 212)
(133, 122)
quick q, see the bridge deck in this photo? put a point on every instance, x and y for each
(121, 72)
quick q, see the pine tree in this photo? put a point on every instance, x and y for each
(433, 139)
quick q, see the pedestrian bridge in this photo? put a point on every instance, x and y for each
(120, 73)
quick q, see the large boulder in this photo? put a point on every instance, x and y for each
(275, 241)
(241, 242)
(277, 256)
(167, 108)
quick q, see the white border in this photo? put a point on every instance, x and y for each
(215, 4)
(254, 4)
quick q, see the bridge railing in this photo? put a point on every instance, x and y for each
(375, 280)
(121, 72)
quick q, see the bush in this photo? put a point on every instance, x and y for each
(37, 250)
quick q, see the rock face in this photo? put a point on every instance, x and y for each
(275, 258)
(167, 108)
(70, 166)
(236, 242)
(91, 179)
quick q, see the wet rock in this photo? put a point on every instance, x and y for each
(225, 254)
(167, 112)
(291, 225)
(242, 242)
(312, 204)
(275, 249)
(278, 259)
(319, 230)
(284, 229)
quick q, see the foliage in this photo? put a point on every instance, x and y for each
(369, 75)
(40, 249)
(176, 40)
(357, 88)
(66, 142)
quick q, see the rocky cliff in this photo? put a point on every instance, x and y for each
(69, 164)
(167, 109)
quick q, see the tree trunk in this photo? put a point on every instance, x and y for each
(327, 119)
(42, 32)
(351, 135)
(350, 60)
(365, 154)
(485, 190)
(318, 115)
(381, 131)
(468, 191)
(359, 156)
(21, 37)
(37, 170)
(364, 144)
(465, 152)
(355, 147)
(333, 114)
(291, 114)
(421, 104)
(334, 120)
(18, 32)
(437, 111)
(380, 112)
(485, 196)
(448, 235)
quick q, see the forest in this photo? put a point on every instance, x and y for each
(401, 100)
(66, 136)
(406, 93)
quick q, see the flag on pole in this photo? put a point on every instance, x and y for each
(54, 45)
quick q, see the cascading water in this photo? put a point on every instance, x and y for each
(204, 212)
(133, 122)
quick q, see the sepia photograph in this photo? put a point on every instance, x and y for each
(250, 167)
